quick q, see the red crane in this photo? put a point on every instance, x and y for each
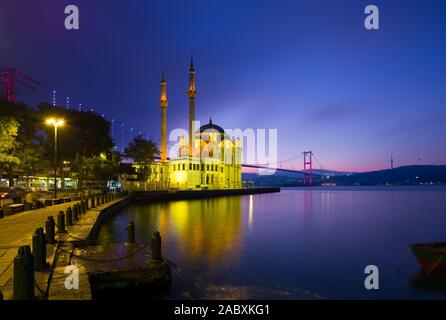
(10, 77)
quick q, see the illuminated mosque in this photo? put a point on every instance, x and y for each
(208, 159)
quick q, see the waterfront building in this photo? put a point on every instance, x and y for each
(207, 159)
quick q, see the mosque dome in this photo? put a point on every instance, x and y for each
(211, 127)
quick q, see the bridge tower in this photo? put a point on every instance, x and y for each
(308, 167)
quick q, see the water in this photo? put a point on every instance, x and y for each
(296, 244)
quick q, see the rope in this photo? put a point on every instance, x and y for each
(102, 260)
(435, 264)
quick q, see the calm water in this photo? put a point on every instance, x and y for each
(296, 244)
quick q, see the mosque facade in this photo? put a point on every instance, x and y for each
(207, 159)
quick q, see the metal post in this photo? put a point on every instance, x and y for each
(55, 162)
(131, 232)
(76, 212)
(50, 229)
(61, 222)
(92, 201)
(156, 246)
(69, 217)
(39, 250)
(24, 274)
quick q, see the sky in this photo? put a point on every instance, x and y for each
(306, 68)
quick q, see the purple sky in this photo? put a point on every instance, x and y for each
(308, 68)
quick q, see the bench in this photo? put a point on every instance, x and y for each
(13, 208)
(51, 202)
(6, 202)
(40, 203)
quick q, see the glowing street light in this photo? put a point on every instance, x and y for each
(56, 123)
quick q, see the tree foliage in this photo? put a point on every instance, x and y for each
(27, 143)
(143, 153)
(8, 134)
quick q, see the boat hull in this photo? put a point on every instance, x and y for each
(431, 256)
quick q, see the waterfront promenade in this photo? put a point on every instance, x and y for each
(17, 230)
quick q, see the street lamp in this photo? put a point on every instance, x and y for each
(55, 123)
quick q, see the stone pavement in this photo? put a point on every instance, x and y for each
(17, 230)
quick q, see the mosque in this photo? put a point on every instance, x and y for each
(207, 159)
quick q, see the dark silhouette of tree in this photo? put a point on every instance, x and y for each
(143, 152)
(84, 136)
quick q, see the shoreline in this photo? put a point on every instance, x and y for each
(162, 196)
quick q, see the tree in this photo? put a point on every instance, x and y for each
(143, 153)
(102, 168)
(32, 158)
(8, 134)
(83, 138)
(28, 148)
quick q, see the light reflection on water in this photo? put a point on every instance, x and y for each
(296, 244)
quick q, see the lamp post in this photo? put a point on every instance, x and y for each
(55, 123)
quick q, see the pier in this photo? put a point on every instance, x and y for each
(71, 244)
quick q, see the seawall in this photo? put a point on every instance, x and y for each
(197, 194)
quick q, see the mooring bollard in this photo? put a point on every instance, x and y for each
(156, 246)
(69, 217)
(76, 212)
(39, 250)
(131, 232)
(61, 223)
(50, 229)
(24, 274)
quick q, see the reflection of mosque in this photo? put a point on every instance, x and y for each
(207, 229)
(207, 159)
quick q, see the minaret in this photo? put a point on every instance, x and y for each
(391, 160)
(192, 93)
(163, 104)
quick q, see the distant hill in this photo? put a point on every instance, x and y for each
(406, 175)
(285, 179)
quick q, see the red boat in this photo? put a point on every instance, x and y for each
(431, 256)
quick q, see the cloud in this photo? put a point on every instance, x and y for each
(330, 113)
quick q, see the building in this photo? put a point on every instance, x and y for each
(207, 159)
